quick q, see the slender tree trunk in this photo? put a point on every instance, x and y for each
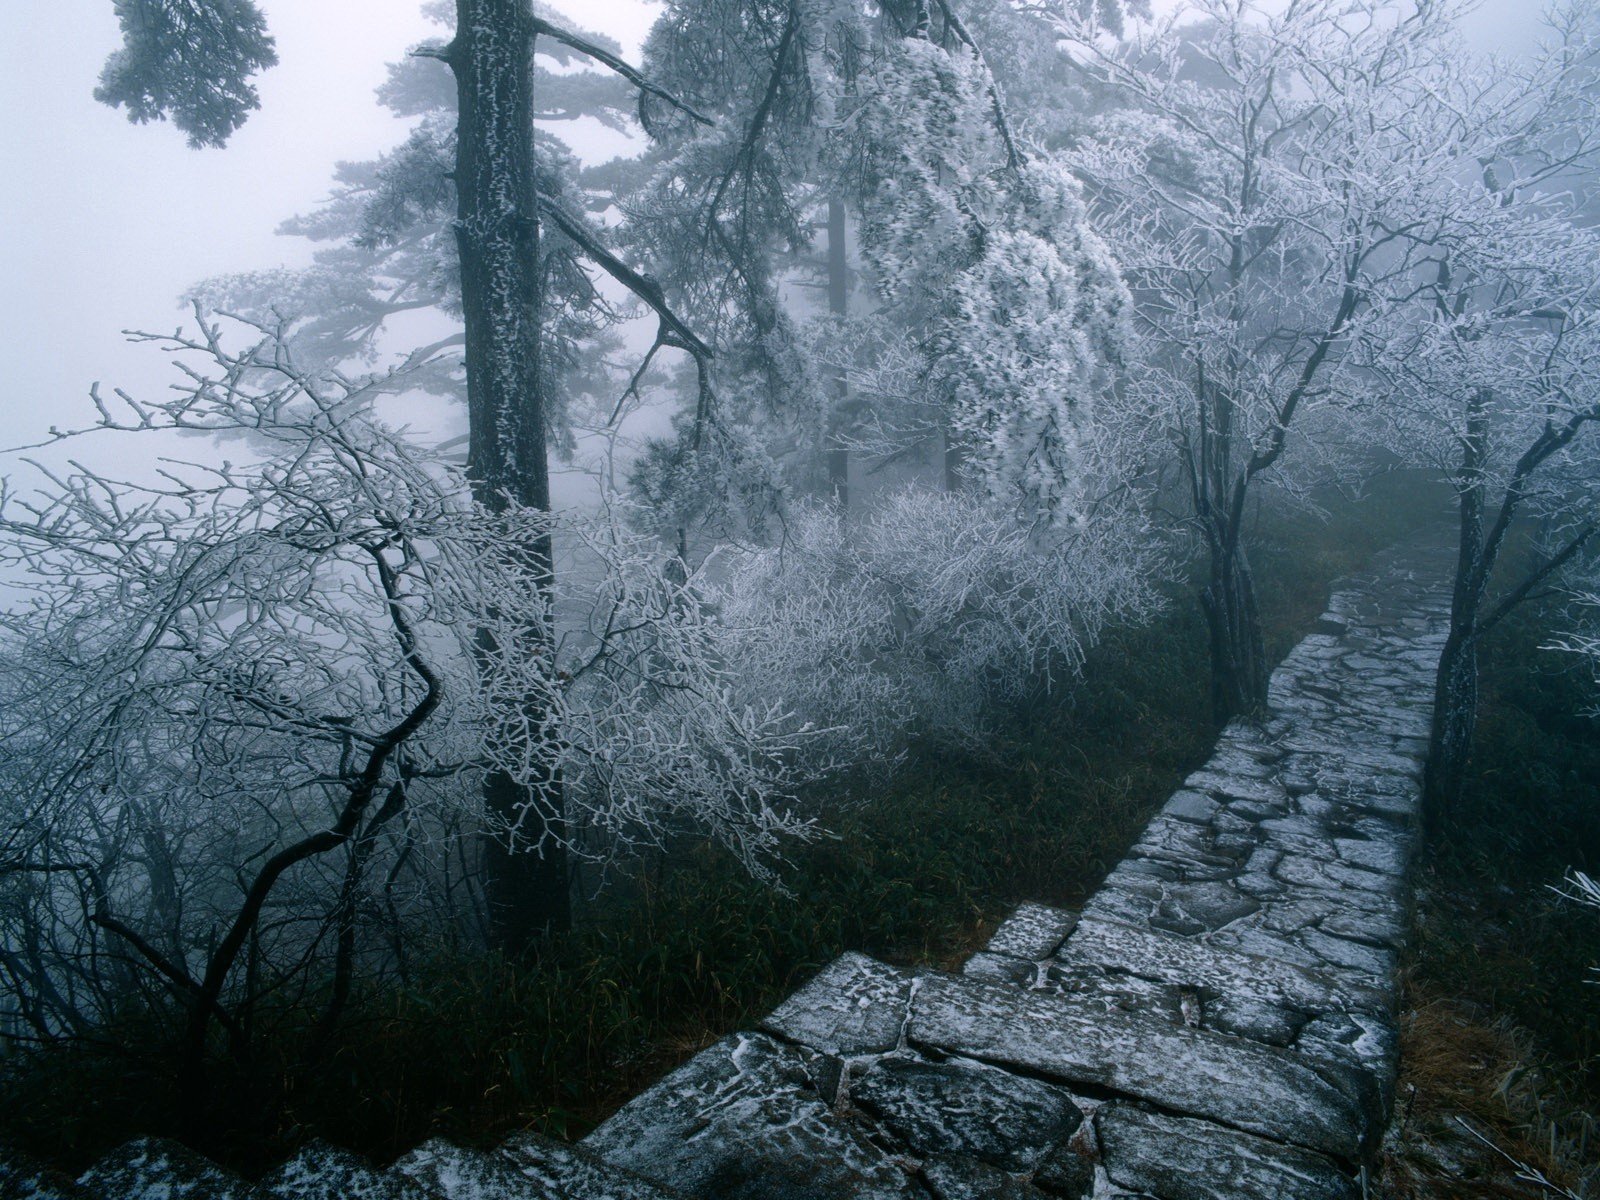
(839, 306)
(1455, 689)
(497, 237)
(1455, 719)
(1239, 670)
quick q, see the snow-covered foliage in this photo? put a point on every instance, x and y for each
(985, 280)
(192, 60)
(987, 261)
(240, 694)
(922, 617)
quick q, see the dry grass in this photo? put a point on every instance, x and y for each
(1477, 1102)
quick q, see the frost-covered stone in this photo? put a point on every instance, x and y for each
(1192, 908)
(1249, 1019)
(323, 1172)
(1032, 931)
(951, 1178)
(21, 1178)
(1194, 807)
(453, 1172)
(160, 1170)
(854, 1005)
(1270, 1092)
(1175, 1158)
(1000, 968)
(743, 1120)
(1187, 963)
(966, 1109)
(577, 1172)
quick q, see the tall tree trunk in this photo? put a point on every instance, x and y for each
(1455, 719)
(1239, 671)
(1455, 688)
(497, 237)
(839, 306)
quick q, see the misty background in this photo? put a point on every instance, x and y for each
(108, 223)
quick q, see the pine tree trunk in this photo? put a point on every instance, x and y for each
(497, 238)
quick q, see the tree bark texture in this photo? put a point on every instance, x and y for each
(497, 237)
(1239, 669)
(1455, 691)
(839, 306)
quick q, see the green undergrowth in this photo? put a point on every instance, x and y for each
(920, 871)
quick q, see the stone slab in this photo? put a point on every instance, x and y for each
(1032, 931)
(854, 1005)
(453, 1172)
(1189, 963)
(323, 1172)
(156, 1167)
(1176, 1158)
(1274, 1093)
(743, 1121)
(965, 1109)
(577, 1172)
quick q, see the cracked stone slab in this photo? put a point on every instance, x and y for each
(743, 1121)
(323, 1172)
(1298, 870)
(157, 1167)
(1112, 991)
(1187, 963)
(967, 1109)
(1266, 1091)
(854, 1005)
(1192, 908)
(1032, 931)
(1176, 1158)
(1259, 1022)
(569, 1170)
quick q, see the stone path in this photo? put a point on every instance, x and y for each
(1216, 1024)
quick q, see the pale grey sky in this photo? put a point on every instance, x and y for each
(103, 224)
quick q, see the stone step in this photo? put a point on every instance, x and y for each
(23, 1178)
(1233, 1082)
(1179, 1158)
(576, 1171)
(454, 1172)
(319, 1171)
(747, 1118)
(156, 1167)
(1188, 963)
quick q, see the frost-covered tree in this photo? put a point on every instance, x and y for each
(191, 60)
(888, 119)
(1252, 181)
(1493, 372)
(503, 288)
(984, 262)
(927, 617)
(251, 706)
